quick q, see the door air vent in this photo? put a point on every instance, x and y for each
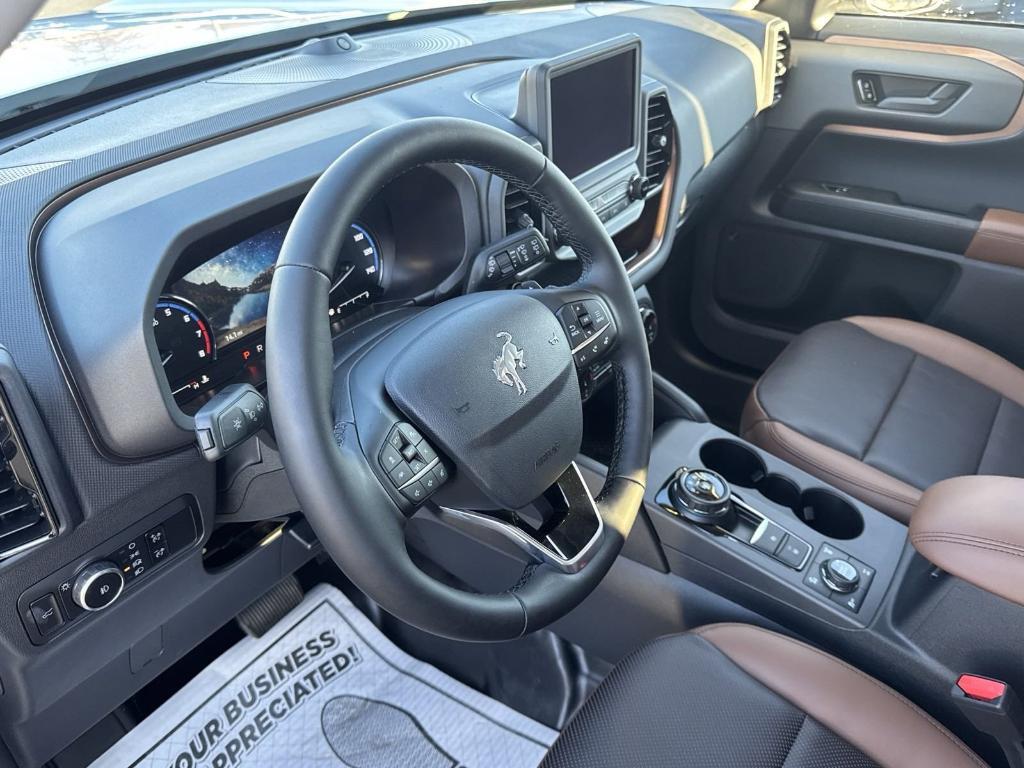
(25, 516)
(660, 137)
(519, 208)
(782, 50)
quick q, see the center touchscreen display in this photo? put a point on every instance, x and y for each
(592, 112)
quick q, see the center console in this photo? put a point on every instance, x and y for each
(756, 529)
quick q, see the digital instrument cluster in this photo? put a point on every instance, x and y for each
(210, 324)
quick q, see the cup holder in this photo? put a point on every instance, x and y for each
(734, 461)
(829, 514)
(824, 511)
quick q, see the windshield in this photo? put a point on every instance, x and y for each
(70, 38)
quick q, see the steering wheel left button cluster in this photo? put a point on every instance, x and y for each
(411, 463)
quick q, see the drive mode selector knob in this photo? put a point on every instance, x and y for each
(839, 575)
(97, 586)
(703, 497)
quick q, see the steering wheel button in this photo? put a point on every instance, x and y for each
(426, 452)
(409, 433)
(390, 458)
(409, 452)
(395, 439)
(440, 473)
(415, 492)
(401, 474)
(429, 482)
(417, 466)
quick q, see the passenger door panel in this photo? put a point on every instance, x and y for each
(886, 182)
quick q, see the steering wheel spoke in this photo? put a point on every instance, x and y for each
(565, 537)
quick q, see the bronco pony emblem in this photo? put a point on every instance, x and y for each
(507, 362)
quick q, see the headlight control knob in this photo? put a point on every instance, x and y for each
(97, 585)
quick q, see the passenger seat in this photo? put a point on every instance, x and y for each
(882, 408)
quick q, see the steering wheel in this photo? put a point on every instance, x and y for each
(478, 395)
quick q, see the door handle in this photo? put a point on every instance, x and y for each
(906, 93)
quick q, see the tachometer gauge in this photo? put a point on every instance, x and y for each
(183, 339)
(357, 279)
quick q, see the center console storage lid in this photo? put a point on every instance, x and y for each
(973, 528)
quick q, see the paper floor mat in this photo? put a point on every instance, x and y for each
(326, 688)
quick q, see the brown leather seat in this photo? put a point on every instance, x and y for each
(737, 695)
(883, 408)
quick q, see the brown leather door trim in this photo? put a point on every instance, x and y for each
(1014, 127)
(999, 239)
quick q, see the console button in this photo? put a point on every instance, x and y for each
(46, 614)
(867, 573)
(827, 552)
(415, 492)
(816, 583)
(793, 552)
(97, 586)
(768, 537)
(850, 602)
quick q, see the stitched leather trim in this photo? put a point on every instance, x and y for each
(872, 486)
(874, 718)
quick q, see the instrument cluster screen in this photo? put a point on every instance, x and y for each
(209, 324)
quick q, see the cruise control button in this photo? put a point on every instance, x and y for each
(429, 482)
(793, 552)
(46, 614)
(415, 492)
(401, 474)
(409, 433)
(440, 472)
(409, 452)
(390, 458)
(417, 466)
(768, 537)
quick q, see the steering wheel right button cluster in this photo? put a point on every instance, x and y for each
(411, 463)
(591, 331)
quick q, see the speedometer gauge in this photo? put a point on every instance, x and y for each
(183, 339)
(357, 280)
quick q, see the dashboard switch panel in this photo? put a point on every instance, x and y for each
(99, 579)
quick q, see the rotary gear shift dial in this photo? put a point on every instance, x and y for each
(703, 497)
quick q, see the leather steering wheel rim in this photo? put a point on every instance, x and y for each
(345, 502)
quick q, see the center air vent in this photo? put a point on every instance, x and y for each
(25, 518)
(782, 54)
(520, 212)
(659, 140)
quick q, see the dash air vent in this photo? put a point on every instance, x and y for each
(25, 518)
(518, 209)
(659, 139)
(781, 64)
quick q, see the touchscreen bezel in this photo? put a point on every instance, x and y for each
(535, 101)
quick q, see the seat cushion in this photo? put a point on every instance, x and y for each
(733, 695)
(884, 408)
